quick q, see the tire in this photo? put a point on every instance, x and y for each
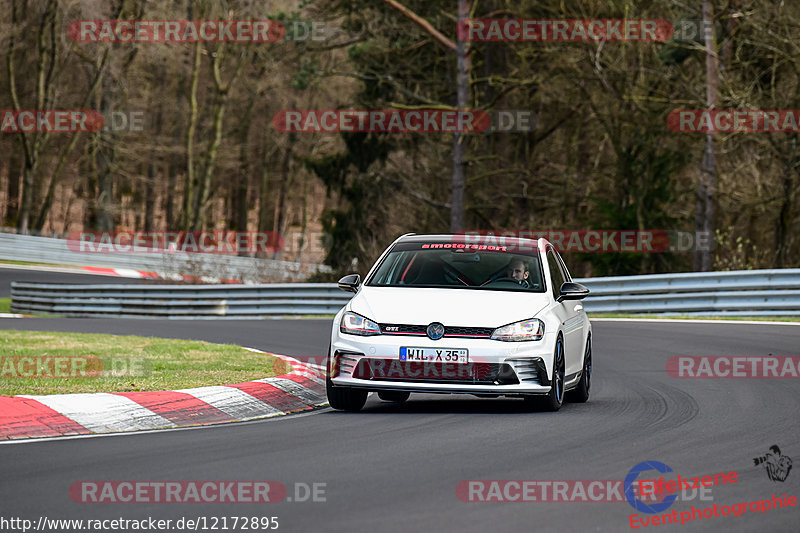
(394, 396)
(581, 393)
(343, 398)
(553, 400)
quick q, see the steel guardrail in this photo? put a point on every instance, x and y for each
(167, 265)
(747, 293)
(178, 301)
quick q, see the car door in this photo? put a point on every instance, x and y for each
(581, 322)
(570, 312)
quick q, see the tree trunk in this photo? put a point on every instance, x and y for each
(706, 192)
(463, 65)
(279, 223)
(26, 205)
(55, 176)
(169, 199)
(47, 203)
(263, 204)
(222, 90)
(12, 204)
(152, 176)
(190, 186)
(45, 62)
(204, 183)
(237, 214)
(782, 223)
(105, 154)
(238, 195)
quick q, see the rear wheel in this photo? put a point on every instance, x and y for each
(393, 396)
(343, 398)
(581, 393)
(552, 400)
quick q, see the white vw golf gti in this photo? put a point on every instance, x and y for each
(445, 314)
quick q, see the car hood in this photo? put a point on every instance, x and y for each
(451, 307)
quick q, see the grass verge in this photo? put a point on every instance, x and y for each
(5, 305)
(58, 363)
(692, 317)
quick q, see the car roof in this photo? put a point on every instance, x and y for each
(473, 238)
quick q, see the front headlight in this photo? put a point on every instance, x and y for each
(358, 325)
(526, 330)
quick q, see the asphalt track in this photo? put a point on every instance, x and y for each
(10, 273)
(393, 468)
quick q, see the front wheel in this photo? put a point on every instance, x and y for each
(581, 393)
(343, 398)
(553, 400)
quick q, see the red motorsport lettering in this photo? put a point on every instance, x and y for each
(572, 241)
(467, 246)
(381, 121)
(736, 509)
(24, 366)
(44, 121)
(521, 490)
(208, 242)
(660, 485)
(733, 121)
(176, 31)
(568, 30)
(177, 491)
(726, 366)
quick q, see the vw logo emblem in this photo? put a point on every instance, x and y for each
(435, 331)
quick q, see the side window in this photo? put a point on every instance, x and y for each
(555, 273)
(567, 276)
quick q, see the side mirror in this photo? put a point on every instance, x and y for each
(572, 291)
(350, 283)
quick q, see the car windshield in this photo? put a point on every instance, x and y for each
(443, 265)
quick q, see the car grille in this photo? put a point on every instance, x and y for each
(449, 331)
(429, 372)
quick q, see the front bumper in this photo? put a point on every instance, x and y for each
(494, 367)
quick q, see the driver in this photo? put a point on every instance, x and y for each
(518, 270)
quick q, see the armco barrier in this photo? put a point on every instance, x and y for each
(172, 265)
(738, 292)
(750, 293)
(178, 301)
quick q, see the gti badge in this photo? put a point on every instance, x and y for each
(435, 331)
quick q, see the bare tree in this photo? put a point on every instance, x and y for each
(707, 187)
(463, 69)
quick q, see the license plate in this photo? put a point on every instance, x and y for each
(435, 355)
